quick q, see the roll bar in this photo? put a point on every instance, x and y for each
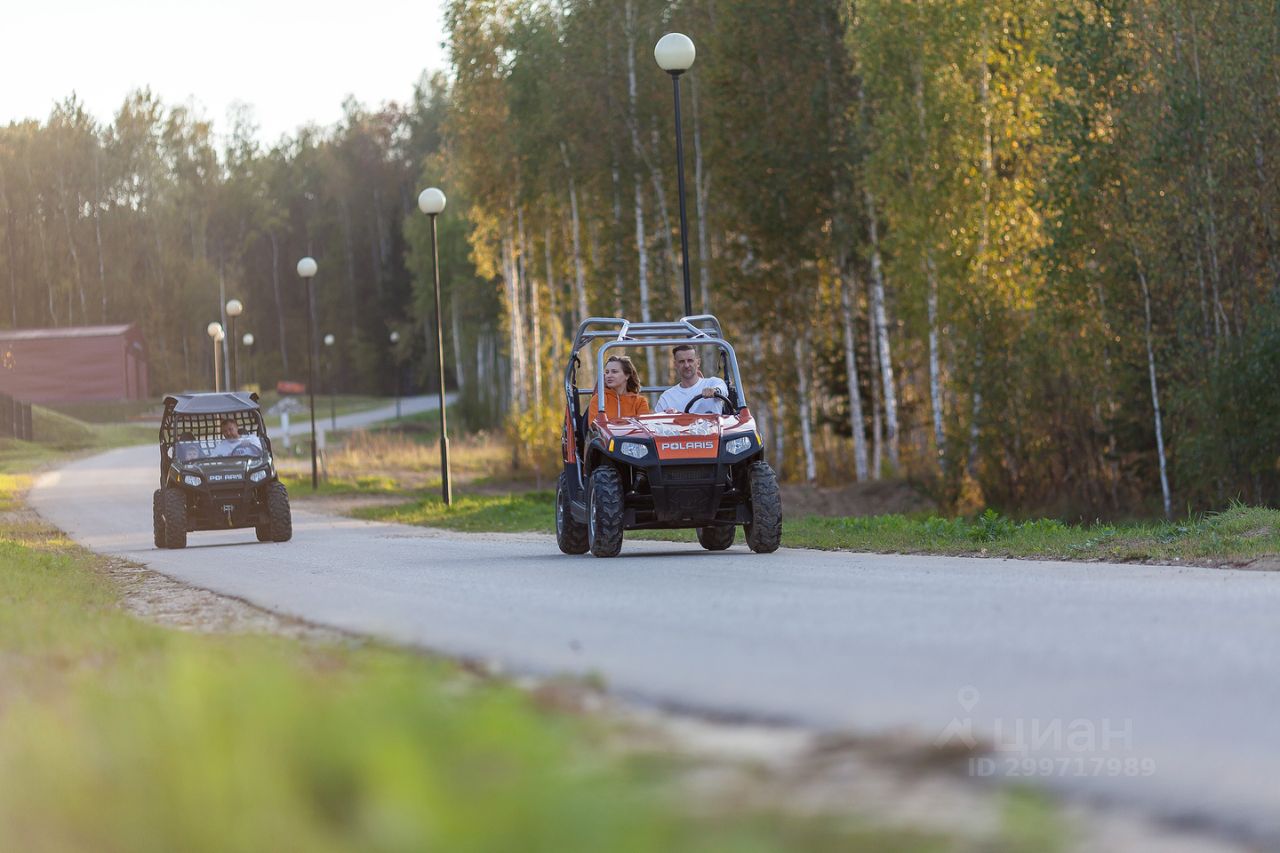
(617, 332)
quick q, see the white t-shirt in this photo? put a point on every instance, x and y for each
(247, 445)
(678, 396)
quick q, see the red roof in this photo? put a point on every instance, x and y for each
(64, 332)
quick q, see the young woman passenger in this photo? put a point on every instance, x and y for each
(622, 397)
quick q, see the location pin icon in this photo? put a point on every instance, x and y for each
(968, 697)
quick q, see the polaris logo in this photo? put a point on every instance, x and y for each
(688, 445)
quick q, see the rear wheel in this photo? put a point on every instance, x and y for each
(764, 533)
(604, 512)
(278, 512)
(157, 519)
(571, 535)
(173, 504)
(716, 538)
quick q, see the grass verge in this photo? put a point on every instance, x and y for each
(1241, 534)
(118, 735)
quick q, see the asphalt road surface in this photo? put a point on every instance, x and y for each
(1155, 686)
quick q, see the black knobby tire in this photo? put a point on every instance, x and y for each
(157, 519)
(571, 535)
(263, 531)
(173, 504)
(764, 533)
(604, 512)
(281, 518)
(716, 538)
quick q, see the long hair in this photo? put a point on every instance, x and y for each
(629, 369)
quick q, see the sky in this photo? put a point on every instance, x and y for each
(293, 62)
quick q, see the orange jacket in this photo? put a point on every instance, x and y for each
(624, 406)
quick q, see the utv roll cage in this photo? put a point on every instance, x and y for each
(201, 416)
(617, 333)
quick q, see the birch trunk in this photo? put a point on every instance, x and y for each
(856, 423)
(1155, 388)
(579, 276)
(935, 364)
(806, 415)
(275, 289)
(97, 233)
(984, 244)
(529, 285)
(931, 277)
(882, 333)
(456, 341)
(641, 247)
(702, 192)
(877, 425)
(553, 296)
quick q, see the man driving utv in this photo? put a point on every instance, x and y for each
(692, 384)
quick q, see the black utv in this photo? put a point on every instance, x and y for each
(216, 471)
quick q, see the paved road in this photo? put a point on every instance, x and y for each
(300, 422)
(1101, 667)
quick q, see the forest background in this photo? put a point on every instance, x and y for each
(1022, 252)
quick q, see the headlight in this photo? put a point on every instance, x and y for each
(741, 444)
(634, 450)
(191, 479)
(258, 476)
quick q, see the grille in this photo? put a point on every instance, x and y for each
(684, 473)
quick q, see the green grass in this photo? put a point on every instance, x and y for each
(1236, 535)
(512, 513)
(118, 735)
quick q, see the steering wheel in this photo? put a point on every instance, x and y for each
(727, 401)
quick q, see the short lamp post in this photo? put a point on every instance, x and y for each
(307, 271)
(395, 356)
(234, 309)
(329, 341)
(214, 330)
(247, 340)
(431, 202)
(675, 53)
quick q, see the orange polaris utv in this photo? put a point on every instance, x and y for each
(661, 471)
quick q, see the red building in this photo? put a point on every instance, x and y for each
(76, 363)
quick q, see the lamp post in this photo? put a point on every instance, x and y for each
(215, 333)
(431, 202)
(307, 271)
(675, 53)
(329, 341)
(234, 308)
(395, 355)
(247, 340)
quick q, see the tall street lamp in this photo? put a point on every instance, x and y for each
(329, 341)
(395, 355)
(675, 53)
(234, 309)
(307, 270)
(215, 333)
(247, 340)
(431, 202)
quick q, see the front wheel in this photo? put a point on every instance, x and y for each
(279, 516)
(716, 538)
(173, 504)
(571, 535)
(604, 512)
(764, 533)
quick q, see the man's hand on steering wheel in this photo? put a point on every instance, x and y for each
(708, 393)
